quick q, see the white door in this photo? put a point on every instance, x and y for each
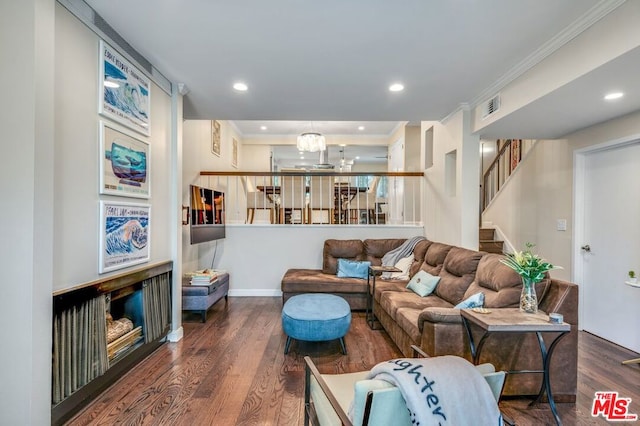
(612, 232)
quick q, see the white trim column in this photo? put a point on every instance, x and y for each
(27, 185)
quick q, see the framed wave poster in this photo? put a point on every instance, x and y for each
(125, 92)
(124, 163)
(124, 235)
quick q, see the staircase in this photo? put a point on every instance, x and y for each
(488, 242)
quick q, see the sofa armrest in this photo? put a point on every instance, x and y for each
(436, 314)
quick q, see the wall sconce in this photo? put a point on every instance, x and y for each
(185, 215)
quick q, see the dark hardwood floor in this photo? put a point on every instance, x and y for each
(232, 371)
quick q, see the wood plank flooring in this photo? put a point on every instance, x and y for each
(232, 371)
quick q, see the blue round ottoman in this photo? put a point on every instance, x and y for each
(316, 317)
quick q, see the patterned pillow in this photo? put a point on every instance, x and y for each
(423, 283)
(475, 301)
(352, 268)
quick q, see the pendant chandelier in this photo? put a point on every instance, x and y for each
(311, 141)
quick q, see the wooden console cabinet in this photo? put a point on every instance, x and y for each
(83, 363)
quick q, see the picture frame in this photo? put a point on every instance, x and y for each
(124, 235)
(124, 163)
(234, 156)
(124, 91)
(215, 137)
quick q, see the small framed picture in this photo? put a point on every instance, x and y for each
(124, 235)
(234, 157)
(124, 163)
(215, 137)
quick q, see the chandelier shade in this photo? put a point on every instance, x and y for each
(312, 142)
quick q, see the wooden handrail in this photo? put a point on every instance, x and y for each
(310, 173)
(497, 159)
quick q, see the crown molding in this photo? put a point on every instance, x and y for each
(592, 16)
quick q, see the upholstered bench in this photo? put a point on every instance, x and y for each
(316, 317)
(200, 298)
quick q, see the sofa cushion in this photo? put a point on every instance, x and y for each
(391, 301)
(389, 285)
(352, 268)
(315, 281)
(434, 258)
(500, 284)
(340, 249)
(423, 283)
(458, 271)
(374, 249)
(450, 315)
(419, 252)
(403, 264)
(407, 319)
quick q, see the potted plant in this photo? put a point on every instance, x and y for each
(632, 277)
(532, 269)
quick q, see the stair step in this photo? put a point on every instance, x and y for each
(486, 234)
(492, 246)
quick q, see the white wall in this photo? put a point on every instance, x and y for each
(26, 228)
(541, 191)
(196, 157)
(257, 256)
(604, 41)
(451, 196)
(77, 152)
(50, 234)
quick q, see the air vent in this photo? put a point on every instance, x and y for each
(491, 106)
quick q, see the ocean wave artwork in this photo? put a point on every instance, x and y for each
(129, 97)
(125, 234)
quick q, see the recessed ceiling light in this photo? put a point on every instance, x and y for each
(240, 87)
(263, 127)
(613, 95)
(357, 157)
(396, 87)
(342, 144)
(302, 157)
(361, 128)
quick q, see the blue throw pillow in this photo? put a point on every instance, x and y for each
(352, 268)
(423, 283)
(475, 301)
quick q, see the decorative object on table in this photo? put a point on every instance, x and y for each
(215, 137)
(125, 94)
(632, 277)
(124, 235)
(532, 269)
(124, 163)
(556, 318)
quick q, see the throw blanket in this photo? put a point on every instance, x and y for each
(393, 256)
(444, 390)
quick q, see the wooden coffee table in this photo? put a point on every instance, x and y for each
(511, 320)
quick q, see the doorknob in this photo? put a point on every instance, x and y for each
(586, 248)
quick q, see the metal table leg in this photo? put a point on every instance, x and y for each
(546, 383)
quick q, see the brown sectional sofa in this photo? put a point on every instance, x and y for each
(433, 324)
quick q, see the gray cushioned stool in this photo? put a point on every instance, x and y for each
(201, 297)
(316, 317)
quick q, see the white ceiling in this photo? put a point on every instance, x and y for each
(333, 60)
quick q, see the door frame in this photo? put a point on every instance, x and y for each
(579, 177)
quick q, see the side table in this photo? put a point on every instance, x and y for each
(511, 320)
(374, 271)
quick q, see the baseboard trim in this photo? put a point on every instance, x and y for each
(176, 335)
(257, 292)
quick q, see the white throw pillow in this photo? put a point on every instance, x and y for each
(404, 265)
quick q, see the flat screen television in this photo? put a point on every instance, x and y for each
(207, 214)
